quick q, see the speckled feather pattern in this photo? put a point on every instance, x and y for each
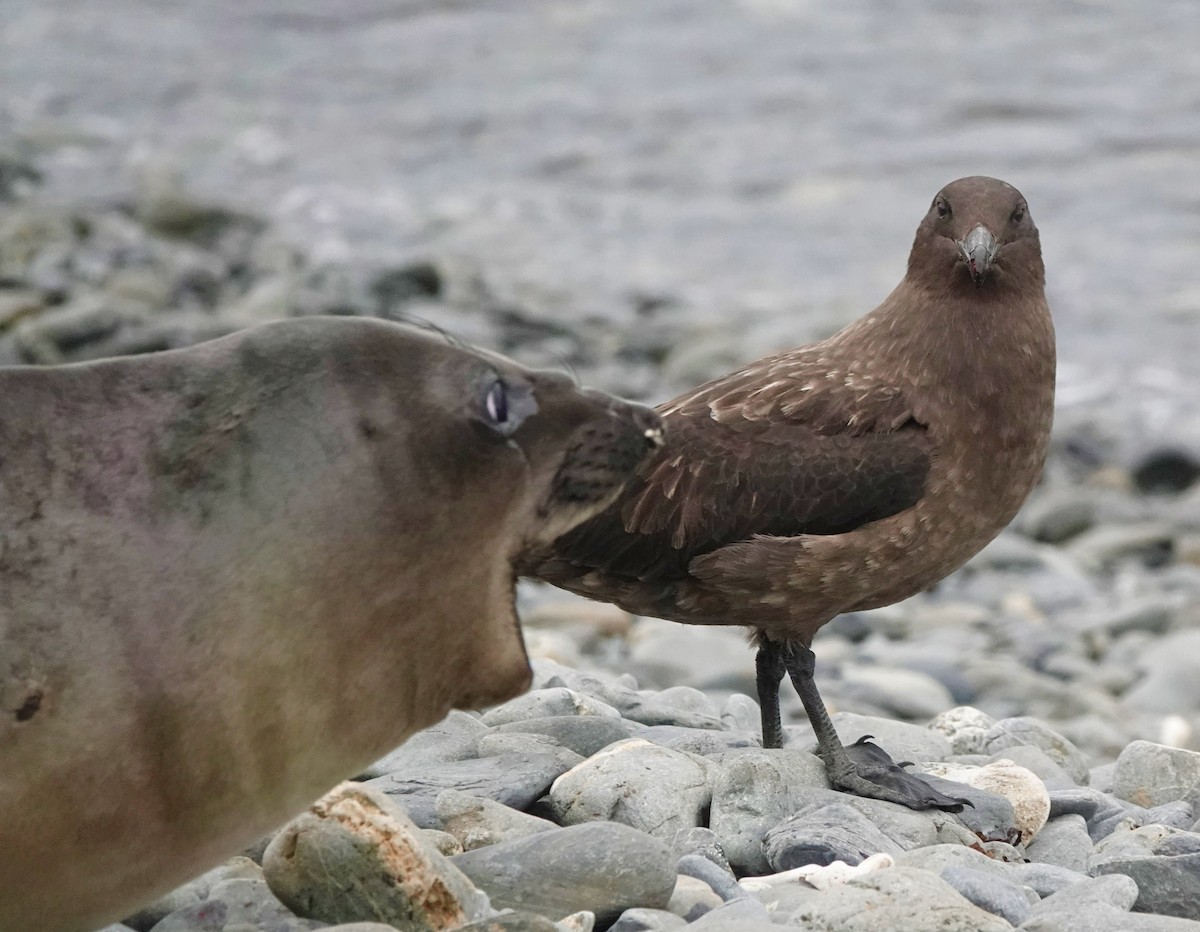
(846, 474)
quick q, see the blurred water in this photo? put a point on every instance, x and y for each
(763, 162)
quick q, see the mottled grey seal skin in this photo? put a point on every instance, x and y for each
(233, 575)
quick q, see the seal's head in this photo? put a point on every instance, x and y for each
(535, 436)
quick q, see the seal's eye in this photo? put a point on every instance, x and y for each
(497, 403)
(1019, 214)
(942, 206)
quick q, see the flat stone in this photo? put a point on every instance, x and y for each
(583, 734)
(896, 898)
(1151, 774)
(515, 780)
(752, 791)
(1063, 841)
(1116, 890)
(602, 867)
(997, 895)
(477, 822)
(355, 856)
(639, 784)
(547, 703)
(837, 832)
(711, 658)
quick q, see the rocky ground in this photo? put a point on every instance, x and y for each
(1054, 676)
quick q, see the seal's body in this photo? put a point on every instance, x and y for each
(233, 575)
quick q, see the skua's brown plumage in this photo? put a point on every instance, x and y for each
(847, 474)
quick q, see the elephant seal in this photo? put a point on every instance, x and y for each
(235, 574)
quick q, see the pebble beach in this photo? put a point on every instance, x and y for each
(1054, 680)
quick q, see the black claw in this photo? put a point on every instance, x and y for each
(884, 779)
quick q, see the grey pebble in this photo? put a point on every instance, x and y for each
(498, 744)
(742, 713)
(454, 738)
(510, 921)
(647, 920)
(547, 703)
(583, 734)
(1151, 774)
(836, 832)
(1063, 841)
(702, 741)
(744, 915)
(1167, 886)
(1168, 681)
(1024, 730)
(1103, 545)
(752, 791)
(995, 894)
(900, 897)
(236, 902)
(692, 898)
(722, 882)
(964, 727)
(652, 788)
(354, 856)
(195, 891)
(1097, 917)
(1047, 879)
(477, 822)
(603, 867)
(515, 780)
(700, 841)
(1039, 763)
